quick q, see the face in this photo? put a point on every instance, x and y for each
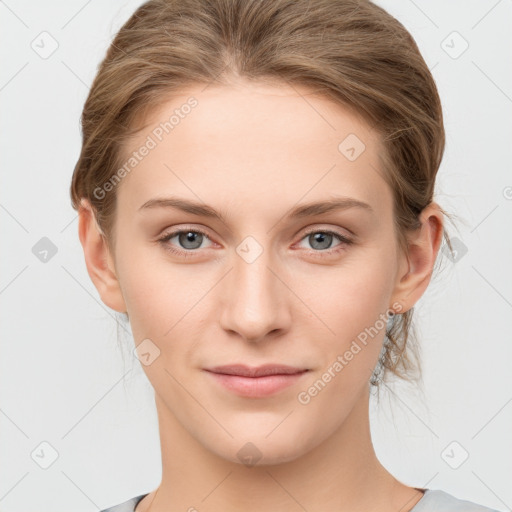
(264, 280)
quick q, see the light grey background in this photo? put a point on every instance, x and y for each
(61, 370)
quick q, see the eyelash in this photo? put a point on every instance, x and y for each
(188, 253)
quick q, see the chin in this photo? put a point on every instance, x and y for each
(257, 450)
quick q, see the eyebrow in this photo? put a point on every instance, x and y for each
(301, 211)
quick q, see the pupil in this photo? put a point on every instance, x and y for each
(321, 239)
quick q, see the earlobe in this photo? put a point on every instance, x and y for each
(98, 260)
(424, 244)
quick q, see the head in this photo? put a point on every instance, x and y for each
(253, 110)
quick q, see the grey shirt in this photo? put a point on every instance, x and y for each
(434, 500)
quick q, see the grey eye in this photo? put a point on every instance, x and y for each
(190, 239)
(320, 240)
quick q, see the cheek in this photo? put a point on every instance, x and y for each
(353, 302)
(163, 299)
(352, 297)
(148, 291)
(355, 310)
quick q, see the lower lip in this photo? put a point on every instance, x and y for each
(256, 387)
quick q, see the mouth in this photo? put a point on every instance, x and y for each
(256, 382)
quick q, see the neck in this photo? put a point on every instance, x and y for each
(342, 474)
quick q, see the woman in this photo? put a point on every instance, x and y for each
(255, 192)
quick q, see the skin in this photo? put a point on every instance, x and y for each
(254, 151)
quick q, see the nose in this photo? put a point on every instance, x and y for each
(255, 299)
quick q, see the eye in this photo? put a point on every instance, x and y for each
(188, 240)
(321, 239)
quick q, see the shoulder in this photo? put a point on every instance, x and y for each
(435, 500)
(126, 506)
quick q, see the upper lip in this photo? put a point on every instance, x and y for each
(256, 371)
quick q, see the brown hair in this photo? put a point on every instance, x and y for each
(351, 51)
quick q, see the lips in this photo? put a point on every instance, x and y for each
(259, 371)
(256, 382)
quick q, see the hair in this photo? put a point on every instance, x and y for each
(350, 51)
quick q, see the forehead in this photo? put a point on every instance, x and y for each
(255, 143)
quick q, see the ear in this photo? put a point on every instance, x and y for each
(99, 262)
(418, 264)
